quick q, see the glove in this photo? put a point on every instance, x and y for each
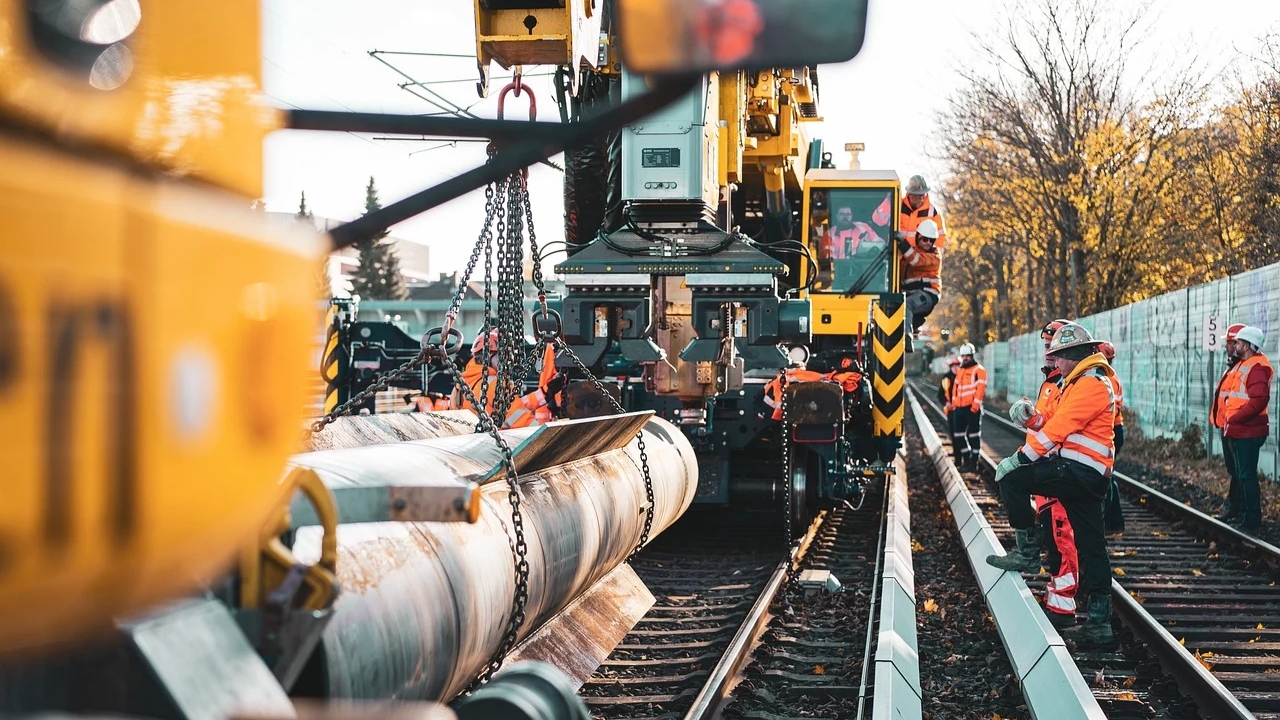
(976, 408)
(553, 389)
(555, 384)
(1008, 464)
(1022, 411)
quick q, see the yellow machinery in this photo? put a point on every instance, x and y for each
(158, 334)
(156, 342)
(850, 220)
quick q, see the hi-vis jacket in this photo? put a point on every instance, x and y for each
(774, 390)
(970, 386)
(922, 270)
(1243, 395)
(1218, 410)
(1082, 427)
(530, 409)
(909, 220)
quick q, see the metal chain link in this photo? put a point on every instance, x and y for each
(376, 387)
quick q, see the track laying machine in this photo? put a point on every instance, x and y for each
(173, 544)
(711, 245)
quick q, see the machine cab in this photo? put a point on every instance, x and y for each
(849, 220)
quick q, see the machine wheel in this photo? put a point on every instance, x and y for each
(803, 473)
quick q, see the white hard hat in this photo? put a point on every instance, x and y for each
(965, 349)
(1251, 335)
(917, 185)
(1069, 336)
(928, 228)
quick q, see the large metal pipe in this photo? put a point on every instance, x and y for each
(425, 605)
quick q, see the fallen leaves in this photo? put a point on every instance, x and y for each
(1200, 659)
(930, 606)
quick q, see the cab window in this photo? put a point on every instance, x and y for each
(850, 229)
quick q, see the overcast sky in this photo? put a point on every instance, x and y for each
(316, 55)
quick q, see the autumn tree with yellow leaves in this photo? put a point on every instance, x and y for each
(1078, 181)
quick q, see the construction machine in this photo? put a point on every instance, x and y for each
(173, 541)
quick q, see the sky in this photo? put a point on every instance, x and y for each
(316, 55)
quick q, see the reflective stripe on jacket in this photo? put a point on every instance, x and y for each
(970, 386)
(1246, 391)
(1217, 411)
(1083, 424)
(778, 385)
(526, 410)
(921, 270)
(909, 220)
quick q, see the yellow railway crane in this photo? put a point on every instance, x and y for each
(157, 333)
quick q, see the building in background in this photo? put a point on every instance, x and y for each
(415, 258)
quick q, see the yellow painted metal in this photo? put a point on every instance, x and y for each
(264, 567)
(889, 346)
(848, 316)
(192, 105)
(845, 179)
(329, 363)
(153, 381)
(733, 113)
(568, 35)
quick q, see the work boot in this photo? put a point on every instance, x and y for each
(1025, 557)
(1096, 629)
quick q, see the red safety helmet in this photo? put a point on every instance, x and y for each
(1233, 330)
(477, 346)
(1108, 350)
(1051, 327)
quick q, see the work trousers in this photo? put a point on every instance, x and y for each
(1081, 490)
(1242, 465)
(920, 304)
(966, 431)
(1061, 559)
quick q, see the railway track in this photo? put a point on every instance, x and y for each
(727, 636)
(1199, 599)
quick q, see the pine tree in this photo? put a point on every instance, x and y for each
(377, 276)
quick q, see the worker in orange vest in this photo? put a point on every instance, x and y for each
(1068, 458)
(534, 408)
(921, 274)
(1217, 418)
(916, 208)
(775, 390)
(1057, 537)
(1245, 394)
(846, 235)
(966, 407)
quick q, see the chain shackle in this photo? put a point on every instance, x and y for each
(547, 325)
(449, 340)
(519, 87)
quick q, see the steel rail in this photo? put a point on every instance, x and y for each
(1209, 694)
(712, 694)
